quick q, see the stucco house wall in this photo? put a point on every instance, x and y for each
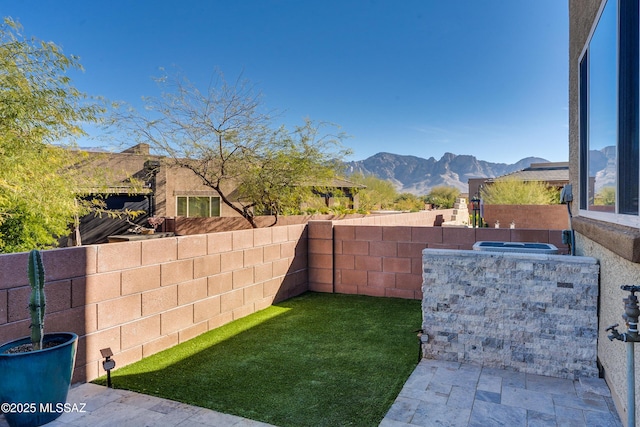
(614, 271)
(615, 247)
(166, 182)
(183, 182)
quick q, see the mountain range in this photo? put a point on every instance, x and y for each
(411, 174)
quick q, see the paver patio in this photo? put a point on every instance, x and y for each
(438, 393)
(441, 393)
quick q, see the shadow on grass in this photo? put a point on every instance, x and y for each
(314, 360)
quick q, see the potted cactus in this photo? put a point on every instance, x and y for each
(36, 371)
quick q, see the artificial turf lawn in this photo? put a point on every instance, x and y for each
(313, 360)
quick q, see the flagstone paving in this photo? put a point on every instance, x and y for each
(99, 406)
(450, 394)
(437, 394)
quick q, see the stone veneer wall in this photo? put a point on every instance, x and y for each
(531, 313)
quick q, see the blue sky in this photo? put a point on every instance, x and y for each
(413, 77)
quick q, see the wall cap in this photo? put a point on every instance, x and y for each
(619, 239)
(522, 255)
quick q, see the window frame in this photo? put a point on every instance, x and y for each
(211, 205)
(627, 181)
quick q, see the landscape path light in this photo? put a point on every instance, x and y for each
(475, 202)
(108, 364)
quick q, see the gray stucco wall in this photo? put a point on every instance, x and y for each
(614, 269)
(614, 272)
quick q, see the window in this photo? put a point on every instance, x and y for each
(198, 206)
(609, 116)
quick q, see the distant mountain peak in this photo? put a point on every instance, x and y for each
(411, 174)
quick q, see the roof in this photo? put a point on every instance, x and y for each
(547, 172)
(121, 189)
(343, 183)
(125, 172)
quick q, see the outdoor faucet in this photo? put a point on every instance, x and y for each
(615, 335)
(630, 316)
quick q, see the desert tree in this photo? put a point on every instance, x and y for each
(409, 202)
(222, 134)
(443, 197)
(39, 110)
(378, 194)
(606, 196)
(512, 191)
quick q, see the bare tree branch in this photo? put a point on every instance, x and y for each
(226, 139)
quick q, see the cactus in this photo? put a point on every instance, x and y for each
(35, 271)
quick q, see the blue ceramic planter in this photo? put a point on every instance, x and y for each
(36, 383)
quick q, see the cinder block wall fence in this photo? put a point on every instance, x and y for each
(386, 260)
(142, 297)
(139, 298)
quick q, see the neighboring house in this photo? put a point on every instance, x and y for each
(552, 217)
(136, 180)
(554, 174)
(604, 111)
(171, 191)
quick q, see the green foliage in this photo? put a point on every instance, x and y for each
(282, 176)
(475, 220)
(38, 107)
(409, 202)
(35, 271)
(443, 197)
(314, 205)
(379, 194)
(37, 198)
(510, 191)
(605, 197)
(313, 360)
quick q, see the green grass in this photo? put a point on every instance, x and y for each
(314, 360)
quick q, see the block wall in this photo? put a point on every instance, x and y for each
(422, 218)
(189, 226)
(552, 217)
(386, 260)
(142, 297)
(526, 312)
(347, 264)
(379, 260)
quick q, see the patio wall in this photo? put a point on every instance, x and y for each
(532, 313)
(201, 225)
(189, 226)
(552, 217)
(142, 297)
(386, 260)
